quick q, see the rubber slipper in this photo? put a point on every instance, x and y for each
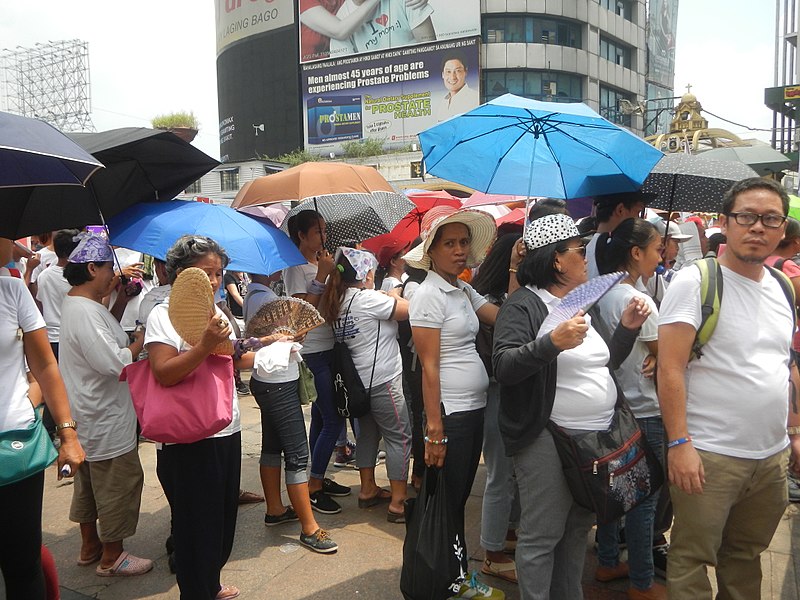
(92, 560)
(394, 517)
(383, 495)
(227, 592)
(501, 570)
(127, 565)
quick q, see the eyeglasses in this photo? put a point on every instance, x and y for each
(746, 219)
(579, 249)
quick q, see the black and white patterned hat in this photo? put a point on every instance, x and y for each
(549, 230)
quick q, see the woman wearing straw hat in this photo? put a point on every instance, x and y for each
(444, 315)
(562, 376)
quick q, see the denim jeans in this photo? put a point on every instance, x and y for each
(638, 522)
(326, 424)
(500, 510)
(283, 428)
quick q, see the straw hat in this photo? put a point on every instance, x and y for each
(481, 226)
(191, 303)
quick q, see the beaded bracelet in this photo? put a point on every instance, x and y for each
(679, 441)
(442, 442)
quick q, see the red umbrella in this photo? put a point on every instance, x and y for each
(516, 216)
(407, 230)
(481, 199)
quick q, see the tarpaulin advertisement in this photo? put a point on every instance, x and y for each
(338, 28)
(239, 19)
(661, 25)
(390, 96)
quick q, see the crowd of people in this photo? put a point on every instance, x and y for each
(446, 335)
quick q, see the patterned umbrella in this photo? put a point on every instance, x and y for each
(689, 183)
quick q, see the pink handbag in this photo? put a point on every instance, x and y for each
(194, 409)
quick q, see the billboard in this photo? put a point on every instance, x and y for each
(239, 19)
(389, 96)
(332, 29)
(662, 22)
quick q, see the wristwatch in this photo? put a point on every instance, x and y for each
(66, 425)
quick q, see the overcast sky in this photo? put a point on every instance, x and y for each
(149, 58)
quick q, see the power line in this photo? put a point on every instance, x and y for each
(705, 110)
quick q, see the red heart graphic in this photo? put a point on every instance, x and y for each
(383, 20)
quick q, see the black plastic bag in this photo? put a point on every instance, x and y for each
(434, 556)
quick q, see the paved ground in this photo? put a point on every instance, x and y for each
(269, 562)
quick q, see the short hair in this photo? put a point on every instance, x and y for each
(754, 183)
(78, 273)
(605, 205)
(455, 55)
(538, 268)
(614, 249)
(62, 242)
(301, 223)
(715, 239)
(548, 206)
(792, 232)
(188, 250)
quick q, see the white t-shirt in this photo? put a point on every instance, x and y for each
(51, 290)
(591, 257)
(92, 352)
(360, 333)
(126, 258)
(159, 329)
(438, 305)
(585, 391)
(390, 26)
(640, 391)
(18, 314)
(389, 282)
(296, 280)
(47, 258)
(257, 296)
(737, 392)
(465, 99)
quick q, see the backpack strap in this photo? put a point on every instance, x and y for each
(710, 298)
(788, 290)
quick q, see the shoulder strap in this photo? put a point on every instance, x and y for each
(710, 298)
(788, 291)
(347, 314)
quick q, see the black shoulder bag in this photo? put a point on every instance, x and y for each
(352, 399)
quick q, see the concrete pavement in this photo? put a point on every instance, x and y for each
(269, 562)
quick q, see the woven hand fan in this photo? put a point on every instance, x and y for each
(291, 316)
(191, 304)
(581, 298)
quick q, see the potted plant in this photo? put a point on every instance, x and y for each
(182, 124)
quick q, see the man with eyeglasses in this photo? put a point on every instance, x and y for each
(726, 412)
(459, 97)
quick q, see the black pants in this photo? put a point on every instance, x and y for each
(464, 431)
(21, 527)
(201, 482)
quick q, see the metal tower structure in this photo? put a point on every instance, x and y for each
(782, 99)
(48, 82)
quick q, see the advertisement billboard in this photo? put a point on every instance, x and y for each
(389, 96)
(661, 28)
(331, 29)
(239, 19)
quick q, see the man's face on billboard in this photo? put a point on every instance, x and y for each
(454, 75)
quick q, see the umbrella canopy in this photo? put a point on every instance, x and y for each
(764, 160)
(685, 182)
(33, 153)
(794, 207)
(515, 145)
(141, 165)
(253, 246)
(481, 199)
(273, 213)
(356, 202)
(407, 230)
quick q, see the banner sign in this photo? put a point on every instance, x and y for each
(239, 19)
(661, 26)
(389, 96)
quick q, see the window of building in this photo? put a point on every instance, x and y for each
(195, 188)
(229, 180)
(609, 105)
(623, 8)
(551, 86)
(531, 30)
(616, 52)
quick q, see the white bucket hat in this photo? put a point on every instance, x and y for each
(482, 228)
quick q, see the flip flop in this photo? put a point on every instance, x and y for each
(92, 560)
(127, 565)
(506, 571)
(382, 495)
(227, 592)
(394, 517)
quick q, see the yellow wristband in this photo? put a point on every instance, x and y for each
(795, 430)
(67, 425)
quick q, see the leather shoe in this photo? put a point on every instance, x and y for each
(654, 592)
(605, 574)
(246, 497)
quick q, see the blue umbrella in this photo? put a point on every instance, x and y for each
(33, 152)
(253, 246)
(514, 145)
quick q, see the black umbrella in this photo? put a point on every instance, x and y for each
(689, 183)
(141, 165)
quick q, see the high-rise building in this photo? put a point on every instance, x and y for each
(784, 97)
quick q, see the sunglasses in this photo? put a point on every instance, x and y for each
(580, 249)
